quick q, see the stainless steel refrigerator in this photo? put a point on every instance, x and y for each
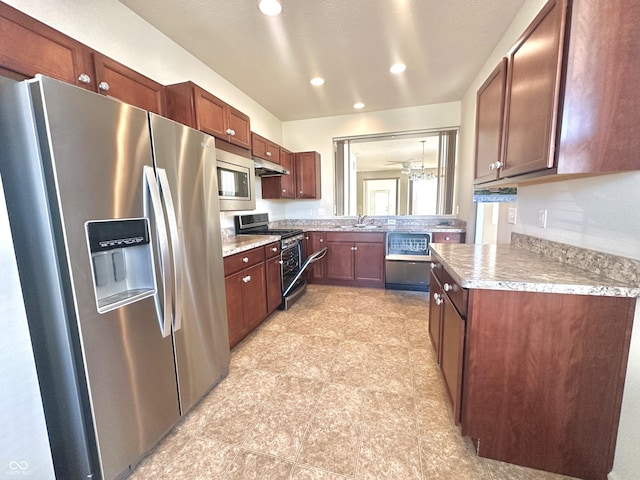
(116, 212)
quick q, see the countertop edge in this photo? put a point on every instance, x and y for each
(242, 243)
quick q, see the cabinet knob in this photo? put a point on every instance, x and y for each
(498, 165)
(280, 262)
(446, 287)
(274, 249)
(104, 86)
(437, 298)
(284, 190)
(306, 238)
(84, 78)
(300, 192)
(245, 259)
(230, 131)
(321, 240)
(246, 279)
(354, 248)
(268, 154)
(433, 266)
(447, 238)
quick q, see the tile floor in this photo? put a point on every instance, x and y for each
(343, 385)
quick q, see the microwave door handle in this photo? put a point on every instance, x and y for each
(164, 313)
(311, 259)
(176, 246)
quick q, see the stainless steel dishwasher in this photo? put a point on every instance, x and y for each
(407, 261)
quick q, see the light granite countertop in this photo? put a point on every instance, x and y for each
(376, 228)
(240, 243)
(508, 267)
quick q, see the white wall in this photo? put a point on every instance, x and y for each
(114, 30)
(318, 133)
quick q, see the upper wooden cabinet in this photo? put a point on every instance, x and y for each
(191, 105)
(307, 174)
(281, 186)
(123, 83)
(489, 124)
(264, 148)
(568, 112)
(29, 47)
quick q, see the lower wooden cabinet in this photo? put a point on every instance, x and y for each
(315, 241)
(535, 379)
(353, 259)
(246, 292)
(274, 276)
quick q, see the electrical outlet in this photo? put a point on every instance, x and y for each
(542, 218)
(391, 221)
(511, 215)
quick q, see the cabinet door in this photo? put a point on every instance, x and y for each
(287, 186)
(369, 263)
(307, 174)
(265, 149)
(533, 89)
(274, 284)
(435, 315)
(453, 332)
(254, 295)
(210, 113)
(235, 311)
(340, 261)
(317, 240)
(116, 80)
(28, 47)
(489, 124)
(239, 125)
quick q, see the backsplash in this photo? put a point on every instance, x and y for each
(605, 264)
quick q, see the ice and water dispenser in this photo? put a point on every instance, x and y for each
(121, 262)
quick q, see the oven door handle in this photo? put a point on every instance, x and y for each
(314, 257)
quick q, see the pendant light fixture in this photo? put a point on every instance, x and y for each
(422, 174)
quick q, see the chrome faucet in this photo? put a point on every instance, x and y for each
(361, 219)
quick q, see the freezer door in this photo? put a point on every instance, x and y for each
(24, 443)
(185, 161)
(93, 152)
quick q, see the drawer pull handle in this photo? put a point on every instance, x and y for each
(246, 279)
(446, 287)
(245, 259)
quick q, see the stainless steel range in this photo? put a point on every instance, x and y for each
(292, 267)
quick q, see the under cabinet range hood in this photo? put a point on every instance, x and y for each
(265, 168)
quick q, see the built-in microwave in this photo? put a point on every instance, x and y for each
(236, 189)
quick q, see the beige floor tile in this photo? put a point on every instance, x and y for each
(279, 431)
(446, 455)
(389, 411)
(389, 455)
(202, 459)
(254, 466)
(331, 444)
(320, 324)
(350, 364)
(301, 472)
(340, 401)
(231, 422)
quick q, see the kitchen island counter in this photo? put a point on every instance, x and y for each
(509, 267)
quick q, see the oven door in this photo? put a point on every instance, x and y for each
(311, 259)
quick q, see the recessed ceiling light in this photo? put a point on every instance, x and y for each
(358, 105)
(398, 68)
(270, 7)
(317, 81)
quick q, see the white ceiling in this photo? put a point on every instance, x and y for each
(350, 43)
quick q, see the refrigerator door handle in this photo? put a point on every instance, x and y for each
(176, 247)
(163, 247)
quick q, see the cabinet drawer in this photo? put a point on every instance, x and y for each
(235, 263)
(355, 237)
(456, 293)
(436, 269)
(447, 237)
(272, 250)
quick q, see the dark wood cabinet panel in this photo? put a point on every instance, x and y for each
(490, 124)
(254, 295)
(451, 355)
(264, 148)
(193, 106)
(533, 93)
(118, 81)
(435, 315)
(281, 186)
(448, 237)
(29, 47)
(307, 174)
(273, 276)
(369, 263)
(340, 261)
(317, 241)
(601, 89)
(543, 378)
(235, 309)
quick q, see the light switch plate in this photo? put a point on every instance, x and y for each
(542, 218)
(512, 215)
